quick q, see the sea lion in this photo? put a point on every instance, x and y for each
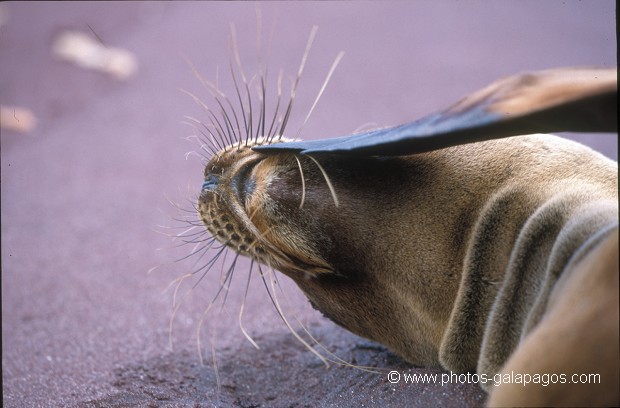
(496, 258)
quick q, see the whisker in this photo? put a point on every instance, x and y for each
(335, 359)
(223, 134)
(185, 220)
(262, 96)
(194, 153)
(176, 282)
(175, 305)
(214, 360)
(274, 298)
(260, 129)
(208, 309)
(154, 268)
(228, 278)
(230, 128)
(202, 250)
(366, 127)
(194, 252)
(208, 266)
(299, 73)
(194, 138)
(217, 94)
(244, 80)
(198, 240)
(329, 75)
(215, 140)
(327, 180)
(209, 148)
(186, 233)
(245, 295)
(303, 183)
(198, 330)
(277, 109)
(234, 78)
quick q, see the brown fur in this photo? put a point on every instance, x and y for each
(578, 334)
(521, 94)
(459, 258)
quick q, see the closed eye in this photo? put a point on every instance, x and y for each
(243, 184)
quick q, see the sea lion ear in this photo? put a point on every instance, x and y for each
(557, 100)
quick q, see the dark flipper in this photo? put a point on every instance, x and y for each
(558, 100)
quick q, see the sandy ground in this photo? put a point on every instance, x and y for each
(86, 194)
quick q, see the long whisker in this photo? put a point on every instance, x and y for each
(299, 73)
(219, 129)
(245, 82)
(275, 302)
(198, 330)
(247, 287)
(207, 267)
(175, 306)
(214, 360)
(227, 280)
(238, 92)
(270, 136)
(205, 313)
(303, 183)
(202, 143)
(327, 180)
(260, 129)
(329, 75)
(218, 95)
(195, 251)
(214, 141)
(333, 357)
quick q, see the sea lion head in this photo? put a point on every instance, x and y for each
(250, 202)
(331, 225)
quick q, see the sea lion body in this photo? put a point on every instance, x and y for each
(451, 258)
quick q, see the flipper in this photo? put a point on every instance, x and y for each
(557, 100)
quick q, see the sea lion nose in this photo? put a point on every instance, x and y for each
(210, 183)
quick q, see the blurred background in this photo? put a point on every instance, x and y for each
(94, 162)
